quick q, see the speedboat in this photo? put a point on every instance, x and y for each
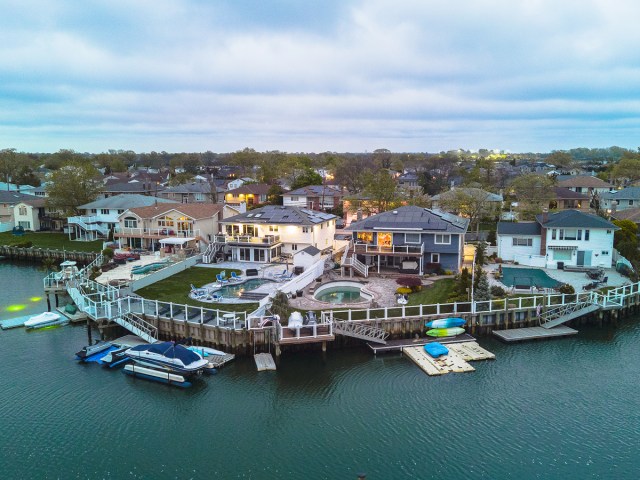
(43, 320)
(168, 356)
(116, 357)
(89, 350)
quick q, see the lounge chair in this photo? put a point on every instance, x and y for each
(286, 277)
(198, 292)
(220, 278)
(281, 274)
(235, 277)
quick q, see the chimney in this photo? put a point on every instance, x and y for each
(358, 215)
(545, 215)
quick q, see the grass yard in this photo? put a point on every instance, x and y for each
(58, 241)
(439, 292)
(177, 287)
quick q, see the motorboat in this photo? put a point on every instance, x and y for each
(43, 320)
(168, 356)
(89, 350)
(206, 351)
(116, 356)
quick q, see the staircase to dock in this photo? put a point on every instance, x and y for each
(137, 326)
(361, 331)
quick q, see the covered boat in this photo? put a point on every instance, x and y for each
(446, 323)
(89, 350)
(445, 332)
(436, 349)
(43, 320)
(168, 356)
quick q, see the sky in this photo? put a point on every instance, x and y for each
(315, 76)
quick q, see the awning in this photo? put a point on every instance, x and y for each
(175, 240)
(562, 247)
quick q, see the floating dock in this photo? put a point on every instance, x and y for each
(77, 317)
(219, 361)
(264, 361)
(14, 322)
(456, 361)
(399, 345)
(533, 333)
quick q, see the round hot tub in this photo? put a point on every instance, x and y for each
(342, 292)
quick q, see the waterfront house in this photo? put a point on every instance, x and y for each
(566, 238)
(99, 216)
(193, 192)
(192, 223)
(8, 200)
(314, 197)
(411, 239)
(272, 232)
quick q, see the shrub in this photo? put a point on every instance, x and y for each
(403, 290)
(498, 292)
(107, 252)
(566, 288)
(23, 244)
(409, 282)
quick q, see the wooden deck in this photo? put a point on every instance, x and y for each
(399, 345)
(533, 333)
(454, 362)
(264, 361)
(305, 335)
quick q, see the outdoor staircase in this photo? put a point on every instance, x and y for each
(88, 227)
(212, 250)
(137, 326)
(361, 331)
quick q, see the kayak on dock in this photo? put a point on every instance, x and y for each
(445, 332)
(446, 323)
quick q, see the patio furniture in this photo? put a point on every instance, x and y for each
(235, 277)
(221, 279)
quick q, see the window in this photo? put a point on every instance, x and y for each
(25, 225)
(93, 210)
(630, 202)
(435, 258)
(294, 198)
(579, 234)
(442, 239)
(294, 247)
(120, 211)
(305, 229)
(22, 211)
(244, 254)
(586, 235)
(522, 242)
(553, 234)
(273, 228)
(411, 238)
(130, 222)
(104, 211)
(261, 255)
(562, 254)
(608, 232)
(605, 252)
(569, 234)
(165, 222)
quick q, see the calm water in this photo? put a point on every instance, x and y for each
(559, 409)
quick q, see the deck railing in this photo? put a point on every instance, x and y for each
(373, 249)
(248, 239)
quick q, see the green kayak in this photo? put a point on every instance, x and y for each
(445, 332)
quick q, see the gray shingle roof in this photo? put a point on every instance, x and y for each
(310, 250)
(520, 228)
(315, 190)
(274, 214)
(124, 201)
(629, 193)
(574, 219)
(564, 193)
(412, 218)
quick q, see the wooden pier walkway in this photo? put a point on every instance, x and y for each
(533, 333)
(399, 345)
(264, 361)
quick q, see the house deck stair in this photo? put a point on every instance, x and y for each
(361, 331)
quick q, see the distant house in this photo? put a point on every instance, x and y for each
(409, 181)
(618, 200)
(493, 201)
(131, 188)
(250, 193)
(566, 199)
(427, 239)
(8, 199)
(101, 215)
(586, 184)
(193, 192)
(33, 214)
(569, 237)
(271, 232)
(314, 197)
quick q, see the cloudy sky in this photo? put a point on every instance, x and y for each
(298, 75)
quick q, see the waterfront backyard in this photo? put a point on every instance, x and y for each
(49, 240)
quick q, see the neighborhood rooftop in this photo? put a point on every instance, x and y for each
(123, 201)
(193, 210)
(274, 214)
(519, 228)
(574, 218)
(412, 218)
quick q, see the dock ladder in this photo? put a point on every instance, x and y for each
(360, 330)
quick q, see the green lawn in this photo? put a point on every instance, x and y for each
(439, 292)
(177, 287)
(57, 241)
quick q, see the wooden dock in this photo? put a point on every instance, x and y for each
(14, 322)
(264, 361)
(533, 333)
(399, 345)
(471, 351)
(219, 361)
(452, 362)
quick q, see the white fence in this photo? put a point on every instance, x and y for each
(165, 273)
(305, 278)
(531, 260)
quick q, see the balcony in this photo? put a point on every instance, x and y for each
(129, 232)
(267, 240)
(372, 249)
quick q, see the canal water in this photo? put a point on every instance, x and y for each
(557, 409)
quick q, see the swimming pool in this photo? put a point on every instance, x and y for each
(527, 277)
(235, 289)
(342, 292)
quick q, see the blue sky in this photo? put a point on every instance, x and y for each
(305, 76)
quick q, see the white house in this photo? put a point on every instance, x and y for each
(271, 232)
(566, 238)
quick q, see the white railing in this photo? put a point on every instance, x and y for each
(305, 278)
(89, 224)
(248, 239)
(359, 266)
(373, 249)
(156, 232)
(345, 254)
(304, 331)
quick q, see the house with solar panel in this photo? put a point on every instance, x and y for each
(408, 239)
(273, 232)
(564, 239)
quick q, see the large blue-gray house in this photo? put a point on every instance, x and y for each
(410, 239)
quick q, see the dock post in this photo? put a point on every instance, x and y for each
(48, 303)
(56, 297)
(89, 331)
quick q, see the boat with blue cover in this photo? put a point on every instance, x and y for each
(446, 323)
(436, 349)
(168, 356)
